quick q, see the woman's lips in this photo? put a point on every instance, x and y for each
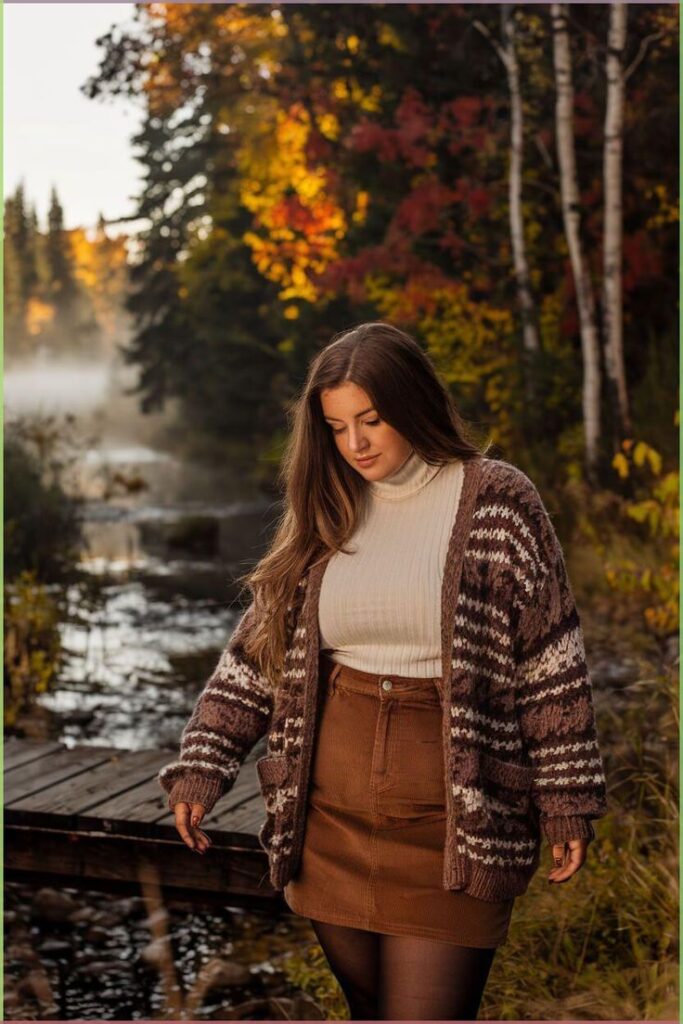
(366, 462)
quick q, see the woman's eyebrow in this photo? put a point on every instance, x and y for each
(361, 413)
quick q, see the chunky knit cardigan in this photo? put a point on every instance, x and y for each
(521, 754)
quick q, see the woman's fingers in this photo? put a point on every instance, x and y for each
(182, 823)
(187, 819)
(568, 858)
(198, 812)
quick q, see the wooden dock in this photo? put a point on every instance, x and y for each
(90, 817)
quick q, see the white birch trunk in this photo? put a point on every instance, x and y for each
(571, 215)
(613, 221)
(521, 267)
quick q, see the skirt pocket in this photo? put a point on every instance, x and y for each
(414, 785)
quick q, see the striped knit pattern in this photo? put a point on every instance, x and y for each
(521, 752)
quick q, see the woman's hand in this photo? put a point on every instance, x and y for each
(187, 818)
(568, 858)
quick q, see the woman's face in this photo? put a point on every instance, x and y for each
(358, 432)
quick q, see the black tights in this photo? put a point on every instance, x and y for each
(404, 977)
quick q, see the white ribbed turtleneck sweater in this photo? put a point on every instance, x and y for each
(380, 607)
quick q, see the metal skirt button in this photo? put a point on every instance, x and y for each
(386, 684)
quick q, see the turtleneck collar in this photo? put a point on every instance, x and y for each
(409, 478)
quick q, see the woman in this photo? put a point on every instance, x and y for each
(413, 653)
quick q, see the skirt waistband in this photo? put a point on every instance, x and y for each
(386, 684)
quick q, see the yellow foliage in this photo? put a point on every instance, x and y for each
(470, 342)
(667, 212)
(362, 202)
(101, 267)
(329, 125)
(659, 511)
(297, 221)
(32, 648)
(39, 315)
(351, 92)
(388, 36)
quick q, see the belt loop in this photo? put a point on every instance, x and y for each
(332, 678)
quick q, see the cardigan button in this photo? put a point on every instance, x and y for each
(386, 684)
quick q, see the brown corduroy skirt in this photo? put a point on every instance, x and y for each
(376, 817)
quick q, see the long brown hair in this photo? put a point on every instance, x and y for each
(324, 495)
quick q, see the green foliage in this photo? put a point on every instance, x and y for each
(42, 521)
(32, 647)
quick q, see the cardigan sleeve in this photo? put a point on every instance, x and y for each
(231, 714)
(554, 698)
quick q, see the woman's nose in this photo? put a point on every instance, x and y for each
(357, 440)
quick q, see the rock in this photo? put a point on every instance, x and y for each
(96, 934)
(107, 919)
(55, 949)
(131, 906)
(82, 915)
(53, 905)
(21, 952)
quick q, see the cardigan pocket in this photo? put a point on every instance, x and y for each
(508, 773)
(507, 791)
(274, 774)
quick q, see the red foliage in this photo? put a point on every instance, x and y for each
(408, 141)
(479, 200)
(420, 211)
(368, 135)
(587, 118)
(642, 261)
(317, 149)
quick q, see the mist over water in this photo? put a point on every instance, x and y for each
(47, 387)
(164, 538)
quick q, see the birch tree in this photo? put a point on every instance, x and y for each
(613, 221)
(508, 56)
(571, 214)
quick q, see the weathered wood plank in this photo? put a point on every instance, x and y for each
(16, 752)
(38, 775)
(143, 802)
(79, 794)
(147, 801)
(226, 873)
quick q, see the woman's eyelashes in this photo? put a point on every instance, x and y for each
(368, 423)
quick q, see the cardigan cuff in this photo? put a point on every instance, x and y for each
(559, 828)
(195, 789)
